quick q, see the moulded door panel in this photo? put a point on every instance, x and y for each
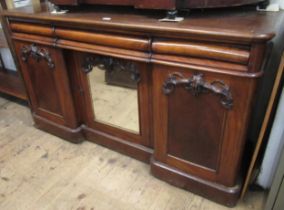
(198, 130)
(46, 78)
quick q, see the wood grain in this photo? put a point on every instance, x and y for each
(197, 144)
(124, 42)
(226, 26)
(162, 4)
(31, 29)
(222, 53)
(12, 84)
(40, 171)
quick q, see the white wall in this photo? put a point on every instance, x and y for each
(280, 2)
(5, 52)
(274, 147)
(276, 139)
(8, 59)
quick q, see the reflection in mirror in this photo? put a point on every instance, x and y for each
(113, 87)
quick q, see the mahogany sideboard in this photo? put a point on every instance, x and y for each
(184, 97)
(161, 4)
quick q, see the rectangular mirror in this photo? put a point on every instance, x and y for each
(113, 87)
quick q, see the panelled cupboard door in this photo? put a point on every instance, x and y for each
(200, 120)
(46, 79)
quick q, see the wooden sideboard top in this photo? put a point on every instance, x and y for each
(243, 25)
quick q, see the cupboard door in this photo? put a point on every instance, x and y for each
(200, 122)
(116, 96)
(46, 78)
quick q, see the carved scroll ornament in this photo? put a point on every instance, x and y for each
(37, 54)
(196, 85)
(109, 64)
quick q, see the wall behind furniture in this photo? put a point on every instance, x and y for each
(8, 59)
(5, 52)
(280, 2)
(273, 149)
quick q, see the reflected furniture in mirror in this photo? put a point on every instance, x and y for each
(113, 91)
(181, 96)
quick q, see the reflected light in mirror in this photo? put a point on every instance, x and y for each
(114, 103)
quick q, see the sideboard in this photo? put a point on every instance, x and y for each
(161, 4)
(182, 96)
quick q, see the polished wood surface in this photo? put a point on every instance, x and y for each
(204, 139)
(162, 4)
(10, 81)
(202, 50)
(32, 29)
(40, 171)
(197, 82)
(216, 3)
(48, 87)
(12, 84)
(125, 42)
(237, 26)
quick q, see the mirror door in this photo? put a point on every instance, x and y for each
(116, 95)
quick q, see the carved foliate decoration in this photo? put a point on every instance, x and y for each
(109, 64)
(196, 85)
(37, 54)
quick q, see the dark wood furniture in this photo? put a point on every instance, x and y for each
(10, 81)
(161, 4)
(201, 84)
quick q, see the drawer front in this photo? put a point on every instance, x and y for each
(128, 42)
(200, 121)
(45, 75)
(195, 49)
(27, 28)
